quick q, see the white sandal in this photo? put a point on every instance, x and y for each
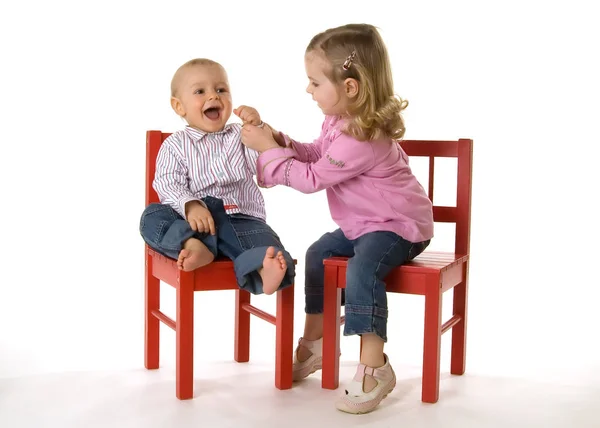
(357, 401)
(303, 369)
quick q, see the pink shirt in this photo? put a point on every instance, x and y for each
(192, 164)
(370, 186)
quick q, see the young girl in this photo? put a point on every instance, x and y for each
(384, 215)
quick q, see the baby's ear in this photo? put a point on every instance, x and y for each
(351, 87)
(177, 106)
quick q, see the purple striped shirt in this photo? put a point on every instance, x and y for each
(192, 164)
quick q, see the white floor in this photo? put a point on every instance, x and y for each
(540, 372)
(228, 394)
(531, 362)
(78, 368)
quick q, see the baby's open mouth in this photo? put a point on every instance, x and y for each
(213, 113)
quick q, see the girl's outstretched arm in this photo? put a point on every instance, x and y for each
(346, 158)
(305, 152)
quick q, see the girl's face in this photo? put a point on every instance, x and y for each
(330, 97)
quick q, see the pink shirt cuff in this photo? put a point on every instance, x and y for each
(268, 167)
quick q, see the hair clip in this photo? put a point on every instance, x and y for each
(349, 60)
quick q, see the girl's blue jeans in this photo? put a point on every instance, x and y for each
(372, 257)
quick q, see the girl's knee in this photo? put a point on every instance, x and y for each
(320, 250)
(314, 254)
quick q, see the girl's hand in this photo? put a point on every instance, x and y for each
(248, 115)
(258, 138)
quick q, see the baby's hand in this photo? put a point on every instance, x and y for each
(199, 218)
(248, 115)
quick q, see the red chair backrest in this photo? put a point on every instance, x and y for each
(154, 139)
(462, 150)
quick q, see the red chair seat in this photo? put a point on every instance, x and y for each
(406, 278)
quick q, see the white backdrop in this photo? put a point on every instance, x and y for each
(81, 82)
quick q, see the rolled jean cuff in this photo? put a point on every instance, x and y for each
(362, 319)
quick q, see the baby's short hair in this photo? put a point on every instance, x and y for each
(190, 63)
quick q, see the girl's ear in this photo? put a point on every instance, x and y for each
(177, 106)
(351, 87)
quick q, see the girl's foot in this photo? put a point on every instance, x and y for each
(194, 255)
(360, 397)
(273, 270)
(308, 358)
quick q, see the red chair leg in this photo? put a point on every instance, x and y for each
(185, 336)
(284, 343)
(152, 328)
(241, 352)
(432, 341)
(459, 331)
(331, 330)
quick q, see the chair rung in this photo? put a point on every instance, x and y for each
(246, 306)
(451, 323)
(162, 317)
(261, 314)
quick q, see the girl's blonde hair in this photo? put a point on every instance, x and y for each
(357, 51)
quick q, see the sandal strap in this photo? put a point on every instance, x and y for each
(309, 344)
(363, 370)
(380, 373)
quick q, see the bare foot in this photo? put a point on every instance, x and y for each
(194, 255)
(273, 270)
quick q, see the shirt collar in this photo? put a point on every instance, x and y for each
(196, 134)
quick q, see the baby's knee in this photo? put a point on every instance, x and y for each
(154, 215)
(160, 211)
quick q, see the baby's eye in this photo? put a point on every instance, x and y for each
(221, 90)
(199, 91)
(315, 84)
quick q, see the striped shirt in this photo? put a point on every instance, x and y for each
(192, 164)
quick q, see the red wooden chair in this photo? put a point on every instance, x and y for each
(218, 275)
(430, 275)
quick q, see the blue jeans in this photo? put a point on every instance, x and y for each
(239, 237)
(372, 257)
